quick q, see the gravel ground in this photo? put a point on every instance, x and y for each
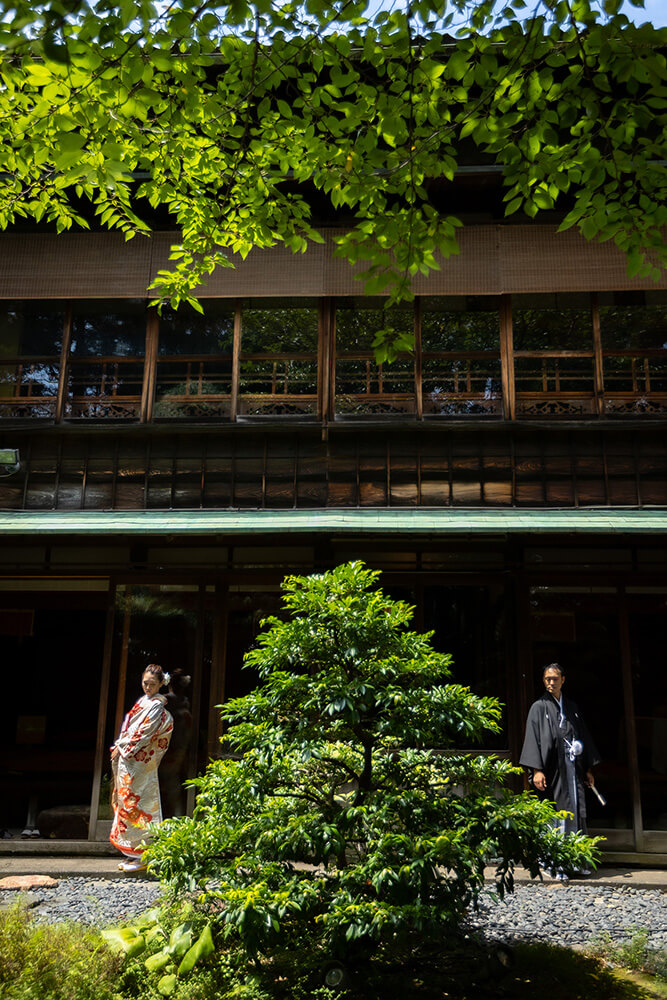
(572, 914)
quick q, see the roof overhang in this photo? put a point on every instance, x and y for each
(448, 521)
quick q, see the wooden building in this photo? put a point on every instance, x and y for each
(510, 479)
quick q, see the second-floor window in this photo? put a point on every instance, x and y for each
(106, 359)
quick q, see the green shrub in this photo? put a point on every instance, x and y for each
(347, 817)
(53, 962)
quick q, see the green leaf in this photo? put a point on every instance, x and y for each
(157, 962)
(125, 939)
(200, 950)
(167, 985)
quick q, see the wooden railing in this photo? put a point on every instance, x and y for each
(635, 382)
(553, 384)
(28, 387)
(363, 387)
(462, 383)
(196, 387)
(277, 385)
(104, 388)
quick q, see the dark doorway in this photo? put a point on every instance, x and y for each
(52, 651)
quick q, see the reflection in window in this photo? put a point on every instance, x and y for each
(30, 345)
(194, 366)
(106, 358)
(634, 349)
(363, 386)
(554, 365)
(647, 630)
(461, 356)
(552, 322)
(470, 623)
(278, 366)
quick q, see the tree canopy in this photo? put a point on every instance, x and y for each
(232, 118)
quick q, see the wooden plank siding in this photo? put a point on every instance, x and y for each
(493, 466)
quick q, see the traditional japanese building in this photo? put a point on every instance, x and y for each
(509, 478)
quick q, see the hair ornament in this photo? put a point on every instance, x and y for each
(165, 678)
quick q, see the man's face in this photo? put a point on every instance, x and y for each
(553, 682)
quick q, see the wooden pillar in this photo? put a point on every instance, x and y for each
(236, 363)
(522, 677)
(218, 668)
(150, 367)
(122, 672)
(323, 349)
(64, 365)
(418, 360)
(196, 695)
(332, 360)
(630, 723)
(598, 368)
(101, 750)
(507, 357)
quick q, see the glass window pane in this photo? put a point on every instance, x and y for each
(31, 329)
(194, 366)
(363, 386)
(470, 623)
(279, 326)
(464, 323)
(461, 373)
(636, 327)
(108, 328)
(648, 621)
(30, 345)
(187, 332)
(359, 320)
(552, 323)
(553, 375)
(106, 366)
(278, 367)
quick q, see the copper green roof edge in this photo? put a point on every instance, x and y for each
(443, 521)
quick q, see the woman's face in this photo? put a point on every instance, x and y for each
(150, 684)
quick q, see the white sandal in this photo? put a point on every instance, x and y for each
(132, 866)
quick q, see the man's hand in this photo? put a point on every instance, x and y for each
(540, 781)
(589, 779)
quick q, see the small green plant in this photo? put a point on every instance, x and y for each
(634, 954)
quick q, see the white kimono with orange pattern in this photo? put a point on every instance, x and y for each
(144, 738)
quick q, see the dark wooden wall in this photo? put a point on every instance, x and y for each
(252, 467)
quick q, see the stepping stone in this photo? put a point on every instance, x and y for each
(24, 882)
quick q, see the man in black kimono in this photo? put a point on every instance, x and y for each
(558, 750)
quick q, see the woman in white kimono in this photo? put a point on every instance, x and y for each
(135, 756)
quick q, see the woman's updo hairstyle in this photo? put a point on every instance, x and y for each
(156, 670)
